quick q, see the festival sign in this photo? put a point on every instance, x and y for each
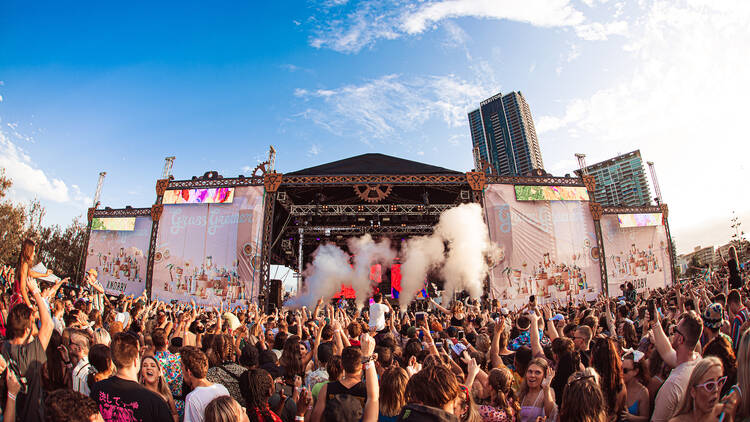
(639, 220)
(119, 256)
(113, 223)
(198, 196)
(549, 248)
(551, 193)
(210, 252)
(635, 254)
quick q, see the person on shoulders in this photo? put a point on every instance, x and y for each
(121, 395)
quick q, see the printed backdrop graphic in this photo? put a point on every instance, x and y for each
(549, 248)
(635, 254)
(210, 252)
(119, 257)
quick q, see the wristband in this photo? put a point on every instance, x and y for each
(299, 418)
(366, 359)
(11, 396)
(368, 365)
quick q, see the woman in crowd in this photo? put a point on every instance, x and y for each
(740, 392)
(721, 348)
(151, 377)
(635, 375)
(567, 363)
(703, 392)
(257, 387)
(583, 400)
(102, 367)
(606, 361)
(535, 395)
(227, 372)
(392, 390)
(733, 266)
(456, 312)
(503, 405)
(224, 409)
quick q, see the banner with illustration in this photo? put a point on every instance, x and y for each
(639, 255)
(119, 257)
(210, 252)
(549, 248)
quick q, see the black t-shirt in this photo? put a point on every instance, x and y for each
(124, 400)
(585, 357)
(29, 359)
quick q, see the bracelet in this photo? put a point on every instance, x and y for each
(369, 365)
(11, 396)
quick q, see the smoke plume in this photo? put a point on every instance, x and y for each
(367, 253)
(324, 276)
(419, 255)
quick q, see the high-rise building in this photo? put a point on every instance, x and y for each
(503, 136)
(621, 181)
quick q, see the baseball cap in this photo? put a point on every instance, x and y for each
(557, 317)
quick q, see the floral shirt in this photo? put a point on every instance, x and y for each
(493, 414)
(525, 340)
(172, 369)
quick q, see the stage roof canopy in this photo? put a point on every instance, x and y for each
(372, 164)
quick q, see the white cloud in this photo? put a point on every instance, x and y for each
(563, 166)
(532, 68)
(30, 181)
(456, 35)
(314, 150)
(367, 22)
(683, 105)
(379, 108)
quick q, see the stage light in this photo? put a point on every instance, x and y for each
(360, 219)
(386, 218)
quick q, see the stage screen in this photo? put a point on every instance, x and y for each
(199, 196)
(635, 254)
(551, 193)
(113, 223)
(639, 220)
(210, 252)
(549, 248)
(119, 257)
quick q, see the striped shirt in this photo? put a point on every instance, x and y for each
(739, 319)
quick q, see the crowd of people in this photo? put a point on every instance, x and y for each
(72, 353)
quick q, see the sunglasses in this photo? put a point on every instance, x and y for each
(712, 386)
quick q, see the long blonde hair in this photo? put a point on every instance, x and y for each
(25, 256)
(743, 375)
(700, 370)
(161, 386)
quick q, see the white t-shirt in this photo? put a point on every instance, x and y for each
(80, 375)
(672, 391)
(377, 316)
(199, 398)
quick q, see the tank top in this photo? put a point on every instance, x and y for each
(530, 413)
(358, 390)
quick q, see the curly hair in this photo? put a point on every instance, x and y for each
(66, 405)
(256, 385)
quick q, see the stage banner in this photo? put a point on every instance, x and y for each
(635, 254)
(119, 257)
(210, 252)
(549, 248)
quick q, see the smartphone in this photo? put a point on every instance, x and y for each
(651, 309)
(420, 316)
(439, 344)
(460, 335)
(532, 299)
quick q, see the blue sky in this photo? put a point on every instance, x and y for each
(101, 87)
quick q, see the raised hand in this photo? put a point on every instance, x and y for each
(366, 344)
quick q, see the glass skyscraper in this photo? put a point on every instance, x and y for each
(503, 136)
(621, 181)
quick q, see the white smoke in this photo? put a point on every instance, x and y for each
(324, 276)
(367, 253)
(470, 255)
(464, 230)
(419, 255)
